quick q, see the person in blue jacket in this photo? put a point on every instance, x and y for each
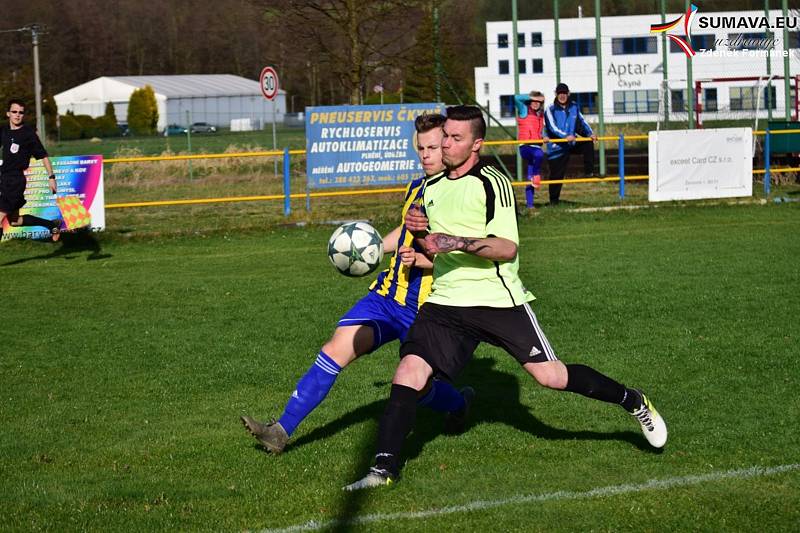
(563, 120)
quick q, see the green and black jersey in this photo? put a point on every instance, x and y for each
(478, 204)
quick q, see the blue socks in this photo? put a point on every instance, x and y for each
(442, 397)
(314, 386)
(529, 196)
(311, 390)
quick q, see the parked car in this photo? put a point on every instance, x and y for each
(124, 131)
(203, 127)
(174, 129)
(294, 120)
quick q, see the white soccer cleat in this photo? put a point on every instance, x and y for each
(376, 477)
(653, 426)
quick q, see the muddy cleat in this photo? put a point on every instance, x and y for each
(377, 477)
(272, 436)
(653, 426)
(456, 422)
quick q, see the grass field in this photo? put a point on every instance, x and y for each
(127, 361)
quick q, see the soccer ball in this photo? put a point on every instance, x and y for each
(355, 249)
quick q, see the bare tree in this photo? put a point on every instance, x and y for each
(354, 38)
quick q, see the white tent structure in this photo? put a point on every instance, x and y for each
(216, 99)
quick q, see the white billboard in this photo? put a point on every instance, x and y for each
(695, 164)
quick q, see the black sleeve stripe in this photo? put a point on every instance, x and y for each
(503, 186)
(490, 197)
(487, 177)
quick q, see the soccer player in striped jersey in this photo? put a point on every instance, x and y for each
(383, 315)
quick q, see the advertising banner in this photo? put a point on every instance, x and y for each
(695, 164)
(79, 180)
(363, 145)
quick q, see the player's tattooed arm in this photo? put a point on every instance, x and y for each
(492, 248)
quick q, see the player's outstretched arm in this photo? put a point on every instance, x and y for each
(491, 248)
(391, 240)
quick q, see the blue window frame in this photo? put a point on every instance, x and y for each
(578, 48)
(587, 102)
(637, 101)
(507, 105)
(699, 42)
(634, 45)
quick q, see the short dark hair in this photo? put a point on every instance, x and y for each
(429, 121)
(15, 101)
(471, 113)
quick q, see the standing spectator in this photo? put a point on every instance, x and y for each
(563, 120)
(19, 143)
(530, 123)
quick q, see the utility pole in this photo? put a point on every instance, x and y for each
(768, 35)
(664, 57)
(514, 37)
(37, 86)
(599, 47)
(35, 30)
(689, 82)
(557, 44)
(786, 74)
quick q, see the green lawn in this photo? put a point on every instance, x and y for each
(127, 361)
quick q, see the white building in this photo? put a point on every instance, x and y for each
(213, 98)
(632, 70)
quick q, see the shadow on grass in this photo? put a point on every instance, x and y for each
(69, 246)
(498, 400)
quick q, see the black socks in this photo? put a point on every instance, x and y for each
(397, 421)
(587, 381)
(30, 220)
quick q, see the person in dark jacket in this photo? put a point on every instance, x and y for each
(18, 143)
(563, 120)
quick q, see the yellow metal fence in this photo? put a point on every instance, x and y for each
(359, 192)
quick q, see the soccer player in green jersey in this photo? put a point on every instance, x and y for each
(476, 297)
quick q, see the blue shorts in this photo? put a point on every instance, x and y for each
(389, 320)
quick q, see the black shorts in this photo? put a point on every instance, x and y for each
(12, 192)
(446, 336)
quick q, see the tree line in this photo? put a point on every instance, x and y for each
(325, 51)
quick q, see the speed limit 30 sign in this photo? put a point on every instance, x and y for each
(269, 83)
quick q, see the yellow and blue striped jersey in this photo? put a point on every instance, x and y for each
(408, 286)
